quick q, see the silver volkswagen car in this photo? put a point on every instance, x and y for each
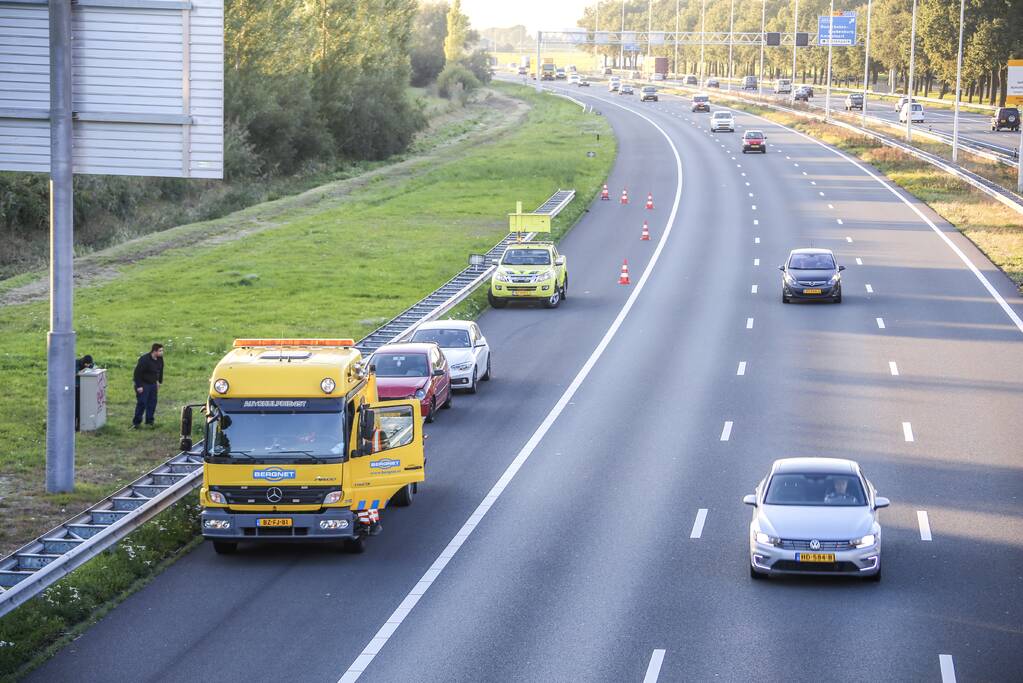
(815, 516)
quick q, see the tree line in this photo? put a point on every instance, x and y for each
(993, 34)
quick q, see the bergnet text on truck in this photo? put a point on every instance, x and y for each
(297, 447)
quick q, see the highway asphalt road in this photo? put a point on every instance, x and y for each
(614, 420)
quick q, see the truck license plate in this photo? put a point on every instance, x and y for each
(273, 521)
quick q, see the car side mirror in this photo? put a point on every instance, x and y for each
(481, 342)
(781, 268)
(881, 502)
(841, 267)
(439, 372)
(750, 499)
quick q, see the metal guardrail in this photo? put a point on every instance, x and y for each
(36, 565)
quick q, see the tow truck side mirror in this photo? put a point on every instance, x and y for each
(186, 428)
(560, 261)
(367, 426)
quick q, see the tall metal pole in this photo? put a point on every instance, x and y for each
(677, 2)
(763, 26)
(649, 26)
(621, 41)
(731, 24)
(959, 73)
(795, 29)
(831, 41)
(596, 31)
(60, 342)
(866, 69)
(909, 84)
(539, 73)
(703, 30)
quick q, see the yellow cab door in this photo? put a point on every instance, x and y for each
(388, 453)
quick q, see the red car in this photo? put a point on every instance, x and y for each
(754, 141)
(413, 370)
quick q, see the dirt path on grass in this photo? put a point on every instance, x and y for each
(498, 114)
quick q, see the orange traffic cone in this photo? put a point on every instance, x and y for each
(623, 279)
(625, 196)
(650, 200)
(645, 235)
(604, 196)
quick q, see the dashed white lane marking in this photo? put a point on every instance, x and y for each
(653, 669)
(870, 290)
(788, 157)
(749, 193)
(821, 193)
(754, 207)
(859, 261)
(893, 367)
(756, 240)
(738, 165)
(848, 239)
(726, 431)
(747, 185)
(839, 220)
(401, 612)
(749, 323)
(753, 289)
(925, 525)
(948, 669)
(756, 221)
(804, 172)
(743, 174)
(831, 206)
(741, 370)
(880, 323)
(756, 262)
(813, 182)
(907, 432)
(796, 165)
(701, 518)
(733, 158)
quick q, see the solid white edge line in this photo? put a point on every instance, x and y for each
(701, 517)
(948, 669)
(1017, 321)
(404, 608)
(653, 669)
(741, 370)
(893, 368)
(925, 525)
(907, 432)
(726, 431)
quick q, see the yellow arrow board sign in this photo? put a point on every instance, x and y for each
(1014, 83)
(529, 222)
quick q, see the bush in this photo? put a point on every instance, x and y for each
(479, 64)
(456, 81)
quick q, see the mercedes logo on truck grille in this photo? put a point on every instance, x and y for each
(275, 495)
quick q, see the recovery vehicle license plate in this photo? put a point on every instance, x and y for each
(815, 557)
(273, 521)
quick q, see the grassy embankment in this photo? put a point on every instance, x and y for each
(335, 263)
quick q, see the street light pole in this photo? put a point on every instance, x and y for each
(539, 75)
(959, 71)
(763, 26)
(866, 69)
(909, 84)
(649, 26)
(731, 24)
(703, 30)
(621, 41)
(831, 41)
(795, 29)
(677, 2)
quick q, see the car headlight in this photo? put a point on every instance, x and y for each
(835, 278)
(463, 366)
(332, 497)
(767, 540)
(788, 278)
(541, 277)
(217, 497)
(221, 386)
(502, 276)
(420, 394)
(863, 542)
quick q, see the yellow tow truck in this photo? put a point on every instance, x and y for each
(297, 447)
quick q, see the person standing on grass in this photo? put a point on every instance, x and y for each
(147, 378)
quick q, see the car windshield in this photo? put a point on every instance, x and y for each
(649, 89)
(819, 489)
(446, 339)
(722, 115)
(279, 436)
(811, 262)
(701, 98)
(526, 257)
(401, 365)
(753, 134)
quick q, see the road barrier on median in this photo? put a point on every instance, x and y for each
(36, 565)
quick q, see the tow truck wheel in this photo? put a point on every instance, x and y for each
(472, 387)
(355, 546)
(403, 498)
(564, 289)
(225, 547)
(553, 300)
(495, 302)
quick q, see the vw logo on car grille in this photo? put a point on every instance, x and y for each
(275, 495)
(815, 544)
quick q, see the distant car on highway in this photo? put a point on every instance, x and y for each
(1005, 117)
(782, 85)
(523, 71)
(649, 92)
(712, 83)
(901, 103)
(802, 94)
(413, 371)
(749, 83)
(811, 274)
(722, 120)
(701, 103)
(573, 79)
(913, 111)
(583, 83)
(613, 83)
(754, 141)
(464, 347)
(692, 80)
(854, 100)
(560, 74)
(625, 89)
(815, 516)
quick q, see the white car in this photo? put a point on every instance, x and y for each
(912, 110)
(783, 85)
(613, 83)
(722, 120)
(573, 78)
(464, 347)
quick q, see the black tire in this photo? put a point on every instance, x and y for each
(403, 498)
(447, 403)
(875, 578)
(554, 300)
(431, 414)
(354, 546)
(785, 299)
(754, 574)
(743, 151)
(564, 289)
(486, 375)
(473, 388)
(225, 547)
(495, 302)
(838, 299)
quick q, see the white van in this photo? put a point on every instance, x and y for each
(613, 83)
(782, 85)
(913, 111)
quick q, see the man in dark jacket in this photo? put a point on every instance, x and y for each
(148, 377)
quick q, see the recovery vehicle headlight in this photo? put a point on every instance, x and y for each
(542, 277)
(332, 497)
(328, 385)
(501, 276)
(217, 497)
(217, 524)
(221, 386)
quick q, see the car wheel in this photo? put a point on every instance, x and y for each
(472, 387)
(754, 574)
(553, 300)
(225, 547)
(743, 151)
(875, 578)
(447, 403)
(495, 302)
(403, 498)
(838, 299)
(431, 414)
(785, 299)
(486, 375)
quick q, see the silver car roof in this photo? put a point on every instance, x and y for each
(815, 465)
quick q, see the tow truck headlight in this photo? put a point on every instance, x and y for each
(329, 524)
(420, 394)
(863, 542)
(332, 497)
(220, 524)
(221, 386)
(217, 497)
(542, 277)
(328, 385)
(502, 276)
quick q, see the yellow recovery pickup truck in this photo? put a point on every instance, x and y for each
(297, 447)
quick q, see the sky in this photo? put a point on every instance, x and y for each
(534, 14)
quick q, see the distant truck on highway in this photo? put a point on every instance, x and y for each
(656, 69)
(297, 446)
(548, 72)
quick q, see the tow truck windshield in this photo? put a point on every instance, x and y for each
(526, 257)
(278, 436)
